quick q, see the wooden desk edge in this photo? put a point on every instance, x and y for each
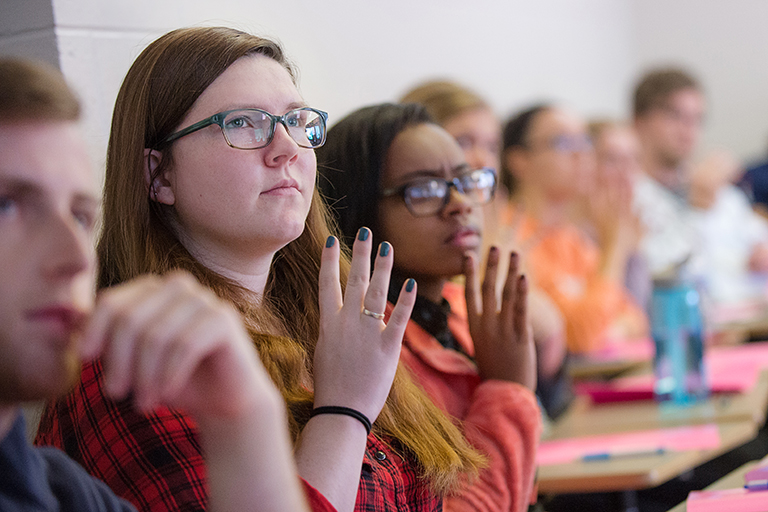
(730, 481)
(732, 434)
(751, 406)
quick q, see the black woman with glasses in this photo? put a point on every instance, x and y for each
(390, 167)
(211, 169)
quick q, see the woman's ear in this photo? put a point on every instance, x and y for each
(159, 188)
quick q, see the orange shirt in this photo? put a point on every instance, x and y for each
(564, 263)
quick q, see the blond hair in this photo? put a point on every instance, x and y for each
(444, 100)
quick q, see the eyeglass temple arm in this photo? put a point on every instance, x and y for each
(214, 119)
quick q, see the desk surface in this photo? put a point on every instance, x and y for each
(640, 472)
(755, 326)
(585, 418)
(738, 416)
(585, 368)
(732, 480)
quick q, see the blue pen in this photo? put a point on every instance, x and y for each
(592, 457)
(756, 485)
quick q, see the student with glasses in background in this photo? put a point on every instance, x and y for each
(392, 168)
(211, 169)
(549, 161)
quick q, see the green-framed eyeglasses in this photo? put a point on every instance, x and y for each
(253, 128)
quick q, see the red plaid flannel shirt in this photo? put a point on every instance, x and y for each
(155, 461)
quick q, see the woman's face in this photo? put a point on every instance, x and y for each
(235, 204)
(558, 159)
(432, 246)
(617, 149)
(478, 132)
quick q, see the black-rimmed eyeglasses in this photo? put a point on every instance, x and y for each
(253, 128)
(428, 196)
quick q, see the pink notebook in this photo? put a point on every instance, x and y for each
(643, 442)
(736, 500)
(623, 350)
(729, 370)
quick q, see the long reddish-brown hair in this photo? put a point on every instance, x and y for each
(158, 91)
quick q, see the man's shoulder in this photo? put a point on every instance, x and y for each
(645, 186)
(74, 488)
(46, 478)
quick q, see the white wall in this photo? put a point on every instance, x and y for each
(725, 42)
(27, 30)
(584, 53)
(352, 53)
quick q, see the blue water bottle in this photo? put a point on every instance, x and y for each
(678, 334)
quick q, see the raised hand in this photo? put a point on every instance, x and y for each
(502, 336)
(709, 176)
(357, 354)
(618, 228)
(355, 361)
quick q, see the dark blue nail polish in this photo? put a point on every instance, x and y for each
(409, 284)
(362, 235)
(330, 241)
(384, 248)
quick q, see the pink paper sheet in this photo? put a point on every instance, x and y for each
(564, 451)
(624, 350)
(729, 370)
(743, 311)
(727, 500)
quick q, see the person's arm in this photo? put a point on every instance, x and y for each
(169, 341)
(504, 423)
(548, 333)
(592, 306)
(355, 362)
(503, 420)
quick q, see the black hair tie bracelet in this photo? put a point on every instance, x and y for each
(346, 411)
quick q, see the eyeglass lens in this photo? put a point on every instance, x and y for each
(430, 196)
(249, 129)
(570, 143)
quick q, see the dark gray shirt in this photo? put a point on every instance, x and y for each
(45, 479)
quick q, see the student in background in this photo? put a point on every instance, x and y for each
(617, 167)
(549, 158)
(466, 116)
(211, 168)
(201, 361)
(471, 121)
(693, 216)
(392, 168)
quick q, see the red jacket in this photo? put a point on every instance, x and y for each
(501, 419)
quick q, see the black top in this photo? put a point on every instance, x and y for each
(431, 317)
